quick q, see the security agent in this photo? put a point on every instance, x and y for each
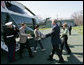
(55, 40)
(70, 28)
(9, 35)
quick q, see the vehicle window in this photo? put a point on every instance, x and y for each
(14, 8)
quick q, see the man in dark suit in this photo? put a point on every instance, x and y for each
(55, 40)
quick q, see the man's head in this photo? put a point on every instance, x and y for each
(24, 25)
(54, 21)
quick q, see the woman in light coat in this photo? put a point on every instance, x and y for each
(64, 37)
(38, 36)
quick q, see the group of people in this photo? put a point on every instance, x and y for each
(58, 40)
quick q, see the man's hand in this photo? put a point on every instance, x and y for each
(29, 35)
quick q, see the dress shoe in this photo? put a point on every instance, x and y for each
(68, 52)
(61, 61)
(50, 58)
(31, 56)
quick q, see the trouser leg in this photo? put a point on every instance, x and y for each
(40, 44)
(52, 53)
(66, 44)
(58, 52)
(70, 32)
(67, 47)
(36, 42)
(14, 51)
(60, 56)
(29, 49)
(11, 52)
(22, 46)
(62, 45)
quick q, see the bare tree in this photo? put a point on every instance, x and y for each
(78, 17)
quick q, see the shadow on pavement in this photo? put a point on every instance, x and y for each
(72, 46)
(41, 57)
(73, 60)
(74, 34)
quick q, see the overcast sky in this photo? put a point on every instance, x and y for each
(54, 9)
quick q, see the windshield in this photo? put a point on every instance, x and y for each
(14, 8)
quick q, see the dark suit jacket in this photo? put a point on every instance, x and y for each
(55, 35)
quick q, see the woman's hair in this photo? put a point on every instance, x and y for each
(65, 24)
(23, 24)
(37, 26)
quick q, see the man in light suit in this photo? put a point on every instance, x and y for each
(55, 40)
(24, 41)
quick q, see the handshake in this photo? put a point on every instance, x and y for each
(29, 35)
(41, 35)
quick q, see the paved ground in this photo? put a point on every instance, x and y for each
(75, 42)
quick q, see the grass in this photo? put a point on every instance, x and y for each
(79, 29)
(44, 28)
